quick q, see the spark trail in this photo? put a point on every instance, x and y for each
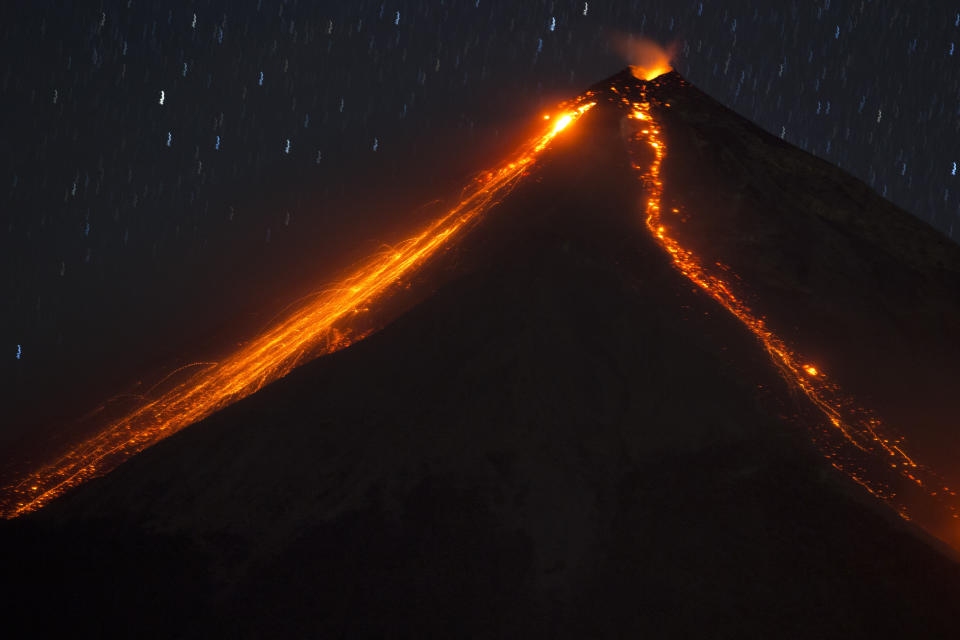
(316, 328)
(853, 442)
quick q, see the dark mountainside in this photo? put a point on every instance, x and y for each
(563, 438)
(871, 294)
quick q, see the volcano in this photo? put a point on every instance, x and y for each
(684, 379)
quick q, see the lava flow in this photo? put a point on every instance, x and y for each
(319, 327)
(852, 441)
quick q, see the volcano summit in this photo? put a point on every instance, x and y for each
(677, 378)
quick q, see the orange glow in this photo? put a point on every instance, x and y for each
(649, 73)
(320, 326)
(863, 451)
(647, 58)
(562, 123)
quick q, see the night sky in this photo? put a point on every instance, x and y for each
(180, 170)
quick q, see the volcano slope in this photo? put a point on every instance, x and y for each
(564, 438)
(865, 291)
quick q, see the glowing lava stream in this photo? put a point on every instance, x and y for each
(859, 432)
(308, 332)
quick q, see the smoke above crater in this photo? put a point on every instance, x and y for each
(647, 58)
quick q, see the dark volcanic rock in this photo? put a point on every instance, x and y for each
(564, 439)
(870, 293)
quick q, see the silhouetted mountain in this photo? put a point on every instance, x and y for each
(563, 437)
(872, 293)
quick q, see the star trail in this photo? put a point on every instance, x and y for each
(144, 145)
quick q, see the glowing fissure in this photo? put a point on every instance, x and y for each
(858, 428)
(321, 326)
